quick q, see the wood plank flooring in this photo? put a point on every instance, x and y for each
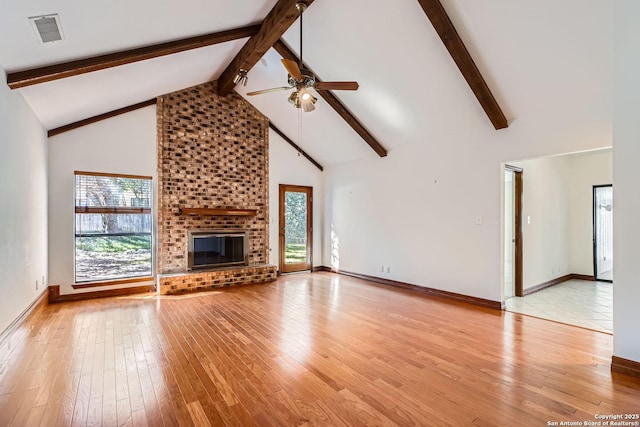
(309, 349)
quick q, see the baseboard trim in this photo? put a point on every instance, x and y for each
(556, 281)
(625, 366)
(321, 268)
(36, 305)
(496, 305)
(583, 277)
(54, 293)
(547, 284)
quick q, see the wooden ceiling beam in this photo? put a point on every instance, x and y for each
(295, 146)
(99, 117)
(353, 122)
(73, 68)
(279, 19)
(335, 103)
(458, 51)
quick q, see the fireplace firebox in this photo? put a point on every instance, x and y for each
(217, 248)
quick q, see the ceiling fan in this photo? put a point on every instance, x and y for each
(302, 80)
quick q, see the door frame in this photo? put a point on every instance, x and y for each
(595, 231)
(290, 268)
(518, 263)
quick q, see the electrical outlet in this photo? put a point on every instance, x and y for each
(382, 269)
(479, 220)
(36, 285)
(388, 269)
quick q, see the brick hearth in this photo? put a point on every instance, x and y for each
(211, 279)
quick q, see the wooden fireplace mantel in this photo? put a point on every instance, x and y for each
(218, 212)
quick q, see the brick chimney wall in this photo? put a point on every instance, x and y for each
(213, 152)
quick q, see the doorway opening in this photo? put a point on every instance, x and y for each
(566, 229)
(603, 232)
(296, 232)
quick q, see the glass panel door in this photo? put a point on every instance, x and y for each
(603, 232)
(295, 228)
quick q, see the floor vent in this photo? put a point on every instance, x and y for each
(47, 28)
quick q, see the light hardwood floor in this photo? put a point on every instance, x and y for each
(317, 349)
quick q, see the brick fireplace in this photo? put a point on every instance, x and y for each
(213, 165)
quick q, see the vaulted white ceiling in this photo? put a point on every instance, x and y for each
(531, 54)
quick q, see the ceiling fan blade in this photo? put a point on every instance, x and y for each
(275, 89)
(336, 85)
(293, 69)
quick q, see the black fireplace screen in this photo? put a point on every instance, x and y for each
(216, 249)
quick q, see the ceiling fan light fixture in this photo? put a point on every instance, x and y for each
(241, 77)
(306, 100)
(304, 94)
(294, 99)
(308, 106)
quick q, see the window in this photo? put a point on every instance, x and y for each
(113, 223)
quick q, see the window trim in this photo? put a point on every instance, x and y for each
(106, 210)
(113, 175)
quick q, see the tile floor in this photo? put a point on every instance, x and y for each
(607, 275)
(576, 302)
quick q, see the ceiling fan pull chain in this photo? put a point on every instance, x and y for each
(299, 128)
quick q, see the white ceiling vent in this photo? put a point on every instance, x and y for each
(47, 28)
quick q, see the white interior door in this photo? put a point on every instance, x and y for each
(509, 233)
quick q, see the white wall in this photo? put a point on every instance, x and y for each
(626, 176)
(545, 219)
(584, 171)
(287, 167)
(23, 205)
(415, 210)
(123, 144)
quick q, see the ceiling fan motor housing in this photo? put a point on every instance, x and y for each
(308, 80)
